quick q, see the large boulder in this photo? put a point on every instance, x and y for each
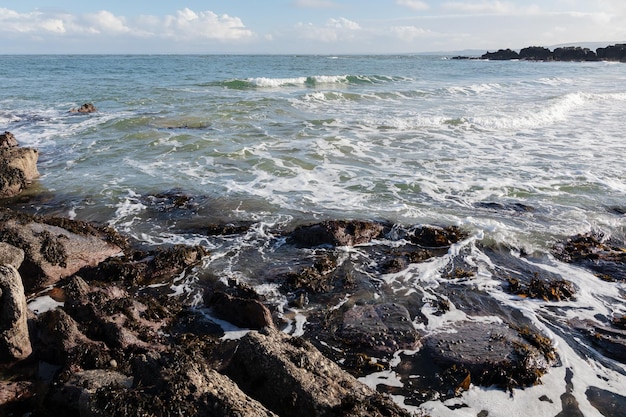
(574, 53)
(53, 252)
(14, 337)
(612, 53)
(291, 377)
(501, 55)
(535, 53)
(18, 167)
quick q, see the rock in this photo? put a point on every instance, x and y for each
(242, 312)
(609, 404)
(15, 391)
(76, 394)
(574, 53)
(52, 252)
(435, 237)
(493, 354)
(7, 140)
(612, 53)
(336, 233)
(176, 383)
(18, 167)
(290, 377)
(143, 268)
(536, 53)
(85, 108)
(611, 342)
(544, 289)
(606, 257)
(60, 341)
(14, 337)
(501, 55)
(10, 255)
(378, 329)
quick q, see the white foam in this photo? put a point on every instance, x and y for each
(43, 303)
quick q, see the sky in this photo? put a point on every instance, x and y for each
(303, 26)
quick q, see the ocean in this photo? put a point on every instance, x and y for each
(520, 155)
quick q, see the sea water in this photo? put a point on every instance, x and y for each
(518, 154)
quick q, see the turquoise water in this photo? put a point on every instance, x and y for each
(277, 140)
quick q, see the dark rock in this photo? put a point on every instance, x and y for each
(60, 341)
(176, 383)
(85, 108)
(242, 312)
(501, 55)
(492, 354)
(336, 233)
(12, 392)
(545, 289)
(611, 342)
(609, 404)
(612, 53)
(378, 329)
(574, 53)
(7, 140)
(535, 53)
(290, 377)
(15, 341)
(596, 252)
(142, 268)
(318, 278)
(436, 237)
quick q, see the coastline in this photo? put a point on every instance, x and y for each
(611, 53)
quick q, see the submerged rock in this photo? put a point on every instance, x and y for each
(85, 108)
(336, 233)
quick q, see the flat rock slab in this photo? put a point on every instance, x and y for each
(383, 328)
(52, 252)
(491, 353)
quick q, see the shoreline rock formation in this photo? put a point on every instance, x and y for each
(18, 166)
(615, 53)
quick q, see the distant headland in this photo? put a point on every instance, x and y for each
(615, 52)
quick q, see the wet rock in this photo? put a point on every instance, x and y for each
(317, 278)
(604, 256)
(436, 237)
(290, 377)
(501, 55)
(512, 207)
(475, 353)
(543, 289)
(7, 140)
(12, 392)
(609, 404)
(85, 108)
(14, 337)
(142, 268)
(10, 255)
(52, 252)
(378, 329)
(242, 312)
(336, 233)
(611, 342)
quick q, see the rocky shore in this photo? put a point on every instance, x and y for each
(616, 53)
(90, 324)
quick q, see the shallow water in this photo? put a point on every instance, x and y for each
(519, 154)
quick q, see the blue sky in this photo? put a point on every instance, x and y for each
(303, 26)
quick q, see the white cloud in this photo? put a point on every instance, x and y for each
(316, 4)
(334, 30)
(411, 33)
(482, 7)
(186, 25)
(413, 4)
